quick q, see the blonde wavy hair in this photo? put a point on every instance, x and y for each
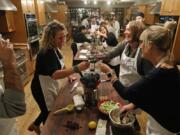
(49, 33)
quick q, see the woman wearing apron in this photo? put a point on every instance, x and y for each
(131, 64)
(158, 92)
(49, 69)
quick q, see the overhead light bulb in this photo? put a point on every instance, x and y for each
(85, 2)
(95, 2)
(108, 2)
(29, 2)
(42, 2)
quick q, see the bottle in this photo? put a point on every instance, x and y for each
(94, 98)
(92, 64)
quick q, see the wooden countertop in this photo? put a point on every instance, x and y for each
(55, 124)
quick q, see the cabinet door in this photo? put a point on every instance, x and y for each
(176, 45)
(24, 6)
(7, 21)
(30, 6)
(170, 7)
(40, 12)
(142, 8)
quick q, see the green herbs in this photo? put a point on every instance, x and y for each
(107, 106)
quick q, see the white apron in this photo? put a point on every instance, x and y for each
(50, 87)
(128, 68)
(153, 127)
(8, 126)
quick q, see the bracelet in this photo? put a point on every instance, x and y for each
(76, 69)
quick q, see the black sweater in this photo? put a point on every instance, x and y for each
(157, 93)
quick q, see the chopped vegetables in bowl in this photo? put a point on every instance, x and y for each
(121, 120)
(107, 105)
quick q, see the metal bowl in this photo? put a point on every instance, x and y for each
(121, 120)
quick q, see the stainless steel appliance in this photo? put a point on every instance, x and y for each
(32, 33)
(163, 19)
(31, 26)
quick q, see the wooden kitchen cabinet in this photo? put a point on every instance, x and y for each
(170, 7)
(28, 6)
(61, 15)
(151, 18)
(142, 8)
(7, 21)
(146, 9)
(31, 6)
(40, 12)
(24, 6)
(176, 45)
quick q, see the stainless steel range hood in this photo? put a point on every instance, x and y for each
(7, 5)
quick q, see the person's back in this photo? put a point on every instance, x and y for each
(12, 98)
(164, 86)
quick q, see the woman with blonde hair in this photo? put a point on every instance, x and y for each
(49, 69)
(158, 92)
